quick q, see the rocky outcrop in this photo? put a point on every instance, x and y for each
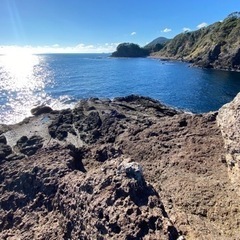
(29, 146)
(112, 202)
(128, 168)
(229, 122)
(48, 198)
(41, 110)
(5, 150)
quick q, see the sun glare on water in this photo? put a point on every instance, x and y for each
(19, 68)
(22, 81)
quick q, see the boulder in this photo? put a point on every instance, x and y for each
(5, 149)
(29, 146)
(3, 139)
(41, 110)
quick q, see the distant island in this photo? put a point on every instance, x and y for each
(130, 50)
(216, 46)
(134, 50)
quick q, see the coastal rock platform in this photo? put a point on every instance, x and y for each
(128, 168)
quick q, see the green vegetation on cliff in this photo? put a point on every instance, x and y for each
(216, 46)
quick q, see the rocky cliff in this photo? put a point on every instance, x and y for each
(128, 168)
(216, 46)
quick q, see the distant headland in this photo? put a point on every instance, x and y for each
(216, 46)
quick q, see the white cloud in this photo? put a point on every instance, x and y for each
(201, 25)
(185, 29)
(166, 30)
(80, 48)
(133, 33)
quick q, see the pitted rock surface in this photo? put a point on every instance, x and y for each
(128, 168)
(229, 123)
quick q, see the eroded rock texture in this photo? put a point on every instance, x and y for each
(130, 168)
(229, 122)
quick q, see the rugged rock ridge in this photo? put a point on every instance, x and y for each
(130, 168)
(216, 46)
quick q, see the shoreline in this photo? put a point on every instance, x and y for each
(191, 64)
(73, 105)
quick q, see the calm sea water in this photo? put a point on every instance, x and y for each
(59, 80)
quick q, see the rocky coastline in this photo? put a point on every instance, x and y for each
(215, 46)
(128, 168)
(196, 64)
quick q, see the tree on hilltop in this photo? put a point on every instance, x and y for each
(234, 15)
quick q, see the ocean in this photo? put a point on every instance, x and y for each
(60, 80)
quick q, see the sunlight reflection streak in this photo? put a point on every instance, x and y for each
(23, 78)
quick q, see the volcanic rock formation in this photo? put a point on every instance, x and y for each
(128, 168)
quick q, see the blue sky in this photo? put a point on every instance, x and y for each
(99, 25)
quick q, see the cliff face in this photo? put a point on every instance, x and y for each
(228, 121)
(216, 46)
(130, 168)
